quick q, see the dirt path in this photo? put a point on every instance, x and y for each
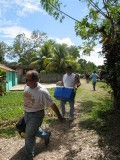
(66, 143)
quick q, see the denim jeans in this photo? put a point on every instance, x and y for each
(33, 122)
(94, 85)
(71, 104)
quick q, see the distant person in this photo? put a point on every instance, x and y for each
(94, 77)
(36, 98)
(70, 79)
(87, 76)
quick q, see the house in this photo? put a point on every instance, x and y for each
(10, 77)
(21, 71)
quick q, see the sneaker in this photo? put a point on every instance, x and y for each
(47, 140)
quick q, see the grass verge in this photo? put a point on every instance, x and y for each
(94, 107)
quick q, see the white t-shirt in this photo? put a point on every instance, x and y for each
(69, 80)
(36, 99)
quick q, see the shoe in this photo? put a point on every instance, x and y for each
(22, 134)
(47, 140)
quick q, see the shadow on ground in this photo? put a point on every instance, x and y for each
(107, 127)
(59, 134)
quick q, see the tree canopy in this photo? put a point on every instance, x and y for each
(46, 55)
(100, 26)
(25, 49)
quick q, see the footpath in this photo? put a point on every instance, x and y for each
(67, 142)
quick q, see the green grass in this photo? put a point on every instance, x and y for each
(94, 107)
(11, 106)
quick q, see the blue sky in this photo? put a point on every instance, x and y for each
(25, 16)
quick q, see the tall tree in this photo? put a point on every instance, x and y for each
(73, 52)
(61, 56)
(3, 50)
(101, 25)
(86, 67)
(45, 51)
(58, 58)
(25, 49)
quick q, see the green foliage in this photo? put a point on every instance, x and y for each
(95, 107)
(7, 132)
(25, 49)
(59, 55)
(42, 71)
(43, 54)
(101, 25)
(48, 6)
(11, 106)
(3, 50)
(86, 67)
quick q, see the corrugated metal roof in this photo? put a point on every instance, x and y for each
(6, 68)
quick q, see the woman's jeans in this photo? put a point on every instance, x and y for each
(33, 122)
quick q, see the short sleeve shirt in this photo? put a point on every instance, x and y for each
(36, 99)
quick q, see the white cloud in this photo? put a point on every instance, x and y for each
(17, 8)
(94, 57)
(12, 32)
(66, 40)
(28, 6)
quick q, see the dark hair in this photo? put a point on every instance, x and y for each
(34, 75)
(69, 67)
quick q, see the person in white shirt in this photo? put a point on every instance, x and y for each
(70, 79)
(36, 98)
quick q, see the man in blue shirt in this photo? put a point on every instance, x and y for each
(94, 79)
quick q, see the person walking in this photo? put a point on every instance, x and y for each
(36, 98)
(94, 77)
(70, 79)
(87, 76)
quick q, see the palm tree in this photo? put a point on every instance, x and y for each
(44, 52)
(59, 59)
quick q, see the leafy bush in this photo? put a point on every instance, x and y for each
(2, 83)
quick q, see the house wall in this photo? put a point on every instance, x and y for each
(11, 80)
(45, 78)
(14, 79)
(11, 77)
(19, 74)
(8, 81)
(50, 77)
